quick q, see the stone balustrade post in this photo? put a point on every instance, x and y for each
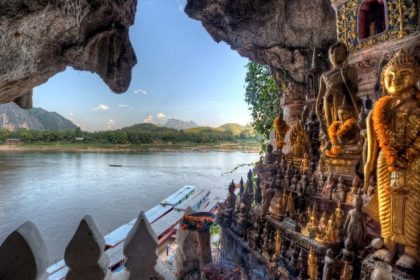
(140, 248)
(23, 255)
(85, 255)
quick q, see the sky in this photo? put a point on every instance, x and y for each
(181, 73)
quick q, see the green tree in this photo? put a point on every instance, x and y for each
(263, 97)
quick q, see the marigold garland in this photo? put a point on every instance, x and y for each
(336, 130)
(383, 131)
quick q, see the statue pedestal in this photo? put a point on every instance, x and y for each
(344, 165)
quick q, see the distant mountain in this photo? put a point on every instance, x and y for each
(148, 127)
(234, 128)
(178, 124)
(12, 118)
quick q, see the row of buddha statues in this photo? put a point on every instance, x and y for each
(384, 134)
(385, 189)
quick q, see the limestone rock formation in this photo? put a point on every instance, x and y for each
(39, 38)
(279, 33)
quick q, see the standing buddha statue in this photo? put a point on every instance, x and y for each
(312, 265)
(337, 84)
(393, 149)
(280, 129)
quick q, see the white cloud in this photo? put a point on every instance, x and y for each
(101, 107)
(140, 91)
(110, 124)
(161, 116)
(148, 118)
(125, 106)
(71, 114)
(181, 5)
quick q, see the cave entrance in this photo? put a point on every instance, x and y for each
(371, 18)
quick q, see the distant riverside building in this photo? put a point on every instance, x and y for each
(13, 141)
(79, 139)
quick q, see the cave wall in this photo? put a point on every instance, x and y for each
(39, 38)
(278, 33)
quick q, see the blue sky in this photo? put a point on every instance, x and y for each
(181, 73)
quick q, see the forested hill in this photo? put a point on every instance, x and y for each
(143, 133)
(13, 118)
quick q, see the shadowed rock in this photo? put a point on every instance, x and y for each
(279, 33)
(39, 38)
(23, 255)
(85, 255)
(140, 248)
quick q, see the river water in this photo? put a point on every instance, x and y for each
(55, 190)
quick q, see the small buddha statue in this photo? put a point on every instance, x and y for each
(228, 207)
(321, 183)
(328, 187)
(355, 185)
(339, 192)
(355, 224)
(312, 130)
(306, 163)
(290, 205)
(268, 196)
(280, 129)
(288, 176)
(312, 265)
(337, 84)
(311, 227)
(299, 141)
(269, 157)
(372, 29)
(328, 270)
(339, 221)
(330, 232)
(323, 222)
(250, 183)
(311, 188)
(347, 254)
(294, 181)
(343, 132)
(284, 202)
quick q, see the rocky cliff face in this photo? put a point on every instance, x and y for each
(39, 38)
(279, 33)
(12, 118)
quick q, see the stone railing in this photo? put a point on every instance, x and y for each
(23, 255)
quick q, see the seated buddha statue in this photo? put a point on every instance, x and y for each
(394, 152)
(299, 141)
(344, 132)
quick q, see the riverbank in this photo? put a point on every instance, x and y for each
(133, 148)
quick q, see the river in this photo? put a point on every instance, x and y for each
(55, 190)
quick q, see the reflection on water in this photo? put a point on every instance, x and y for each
(55, 190)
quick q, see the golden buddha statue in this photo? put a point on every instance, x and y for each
(311, 227)
(299, 140)
(306, 163)
(344, 131)
(280, 129)
(337, 84)
(312, 265)
(322, 226)
(278, 244)
(330, 235)
(393, 149)
(339, 216)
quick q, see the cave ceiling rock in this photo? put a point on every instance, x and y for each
(40, 38)
(278, 33)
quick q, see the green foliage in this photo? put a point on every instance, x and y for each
(137, 134)
(263, 97)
